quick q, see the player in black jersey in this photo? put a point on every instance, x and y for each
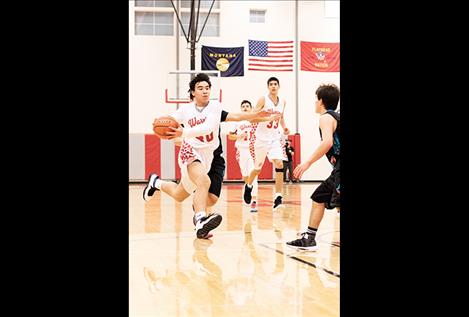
(327, 195)
(217, 169)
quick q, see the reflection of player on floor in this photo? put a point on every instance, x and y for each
(327, 195)
(201, 121)
(204, 276)
(242, 133)
(268, 141)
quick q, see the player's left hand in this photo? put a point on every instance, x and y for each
(176, 133)
(286, 131)
(300, 169)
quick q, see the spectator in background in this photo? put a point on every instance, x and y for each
(289, 150)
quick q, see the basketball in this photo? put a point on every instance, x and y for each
(161, 126)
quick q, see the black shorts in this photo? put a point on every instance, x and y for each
(329, 190)
(216, 174)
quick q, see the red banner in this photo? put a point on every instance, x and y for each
(320, 57)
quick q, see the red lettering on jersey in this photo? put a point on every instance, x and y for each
(193, 122)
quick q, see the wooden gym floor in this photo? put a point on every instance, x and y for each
(245, 269)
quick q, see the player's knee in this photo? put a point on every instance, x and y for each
(203, 181)
(179, 199)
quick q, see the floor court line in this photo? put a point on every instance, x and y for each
(301, 260)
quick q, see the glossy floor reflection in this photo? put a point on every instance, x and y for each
(244, 270)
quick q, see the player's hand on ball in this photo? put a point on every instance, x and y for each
(174, 133)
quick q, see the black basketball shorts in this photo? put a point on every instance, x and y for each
(329, 190)
(216, 174)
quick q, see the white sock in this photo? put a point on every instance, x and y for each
(158, 183)
(199, 215)
(278, 194)
(250, 186)
(255, 187)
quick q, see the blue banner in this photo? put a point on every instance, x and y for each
(228, 60)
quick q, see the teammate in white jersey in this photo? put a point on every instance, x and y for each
(201, 123)
(242, 133)
(268, 140)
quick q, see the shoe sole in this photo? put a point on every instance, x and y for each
(303, 248)
(147, 189)
(208, 236)
(211, 224)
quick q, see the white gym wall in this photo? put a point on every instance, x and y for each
(151, 57)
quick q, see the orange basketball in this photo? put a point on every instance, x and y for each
(161, 126)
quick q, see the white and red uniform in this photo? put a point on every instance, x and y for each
(268, 139)
(245, 152)
(200, 137)
(244, 155)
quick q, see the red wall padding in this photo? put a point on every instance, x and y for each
(267, 170)
(232, 168)
(152, 153)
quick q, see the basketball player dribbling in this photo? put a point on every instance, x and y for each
(200, 128)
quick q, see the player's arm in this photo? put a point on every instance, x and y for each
(251, 116)
(326, 124)
(257, 115)
(271, 117)
(178, 116)
(260, 104)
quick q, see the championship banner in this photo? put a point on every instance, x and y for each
(320, 57)
(228, 60)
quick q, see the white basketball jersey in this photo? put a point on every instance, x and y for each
(243, 128)
(190, 116)
(270, 130)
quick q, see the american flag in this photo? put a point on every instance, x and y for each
(271, 55)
